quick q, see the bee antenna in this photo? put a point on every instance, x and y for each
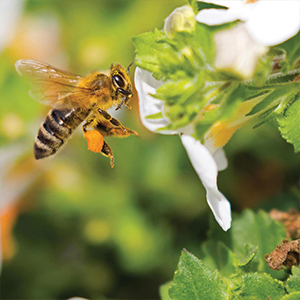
(130, 66)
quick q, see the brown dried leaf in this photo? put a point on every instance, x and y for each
(290, 219)
(287, 254)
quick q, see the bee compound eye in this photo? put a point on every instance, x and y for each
(119, 81)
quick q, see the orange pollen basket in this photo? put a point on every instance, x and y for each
(95, 140)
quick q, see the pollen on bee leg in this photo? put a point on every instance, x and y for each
(95, 140)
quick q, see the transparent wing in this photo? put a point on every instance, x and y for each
(50, 84)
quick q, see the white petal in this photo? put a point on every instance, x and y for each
(214, 16)
(206, 168)
(217, 153)
(146, 84)
(274, 22)
(220, 159)
(237, 51)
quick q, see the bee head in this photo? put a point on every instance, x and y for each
(121, 84)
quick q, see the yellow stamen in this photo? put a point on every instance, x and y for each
(222, 132)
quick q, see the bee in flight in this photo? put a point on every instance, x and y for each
(75, 99)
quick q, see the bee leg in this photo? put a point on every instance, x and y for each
(106, 129)
(122, 132)
(115, 127)
(106, 151)
(90, 122)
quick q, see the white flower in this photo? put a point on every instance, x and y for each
(269, 22)
(10, 11)
(206, 159)
(237, 52)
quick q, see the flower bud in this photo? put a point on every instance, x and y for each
(181, 19)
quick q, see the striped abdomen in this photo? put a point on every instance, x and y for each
(57, 127)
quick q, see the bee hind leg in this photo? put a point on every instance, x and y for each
(106, 151)
(91, 122)
(95, 140)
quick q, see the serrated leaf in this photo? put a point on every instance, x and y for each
(224, 260)
(148, 51)
(261, 231)
(193, 280)
(293, 283)
(277, 95)
(288, 77)
(268, 115)
(261, 286)
(289, 124)
(250, 232)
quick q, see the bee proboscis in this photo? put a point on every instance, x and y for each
(75, 99)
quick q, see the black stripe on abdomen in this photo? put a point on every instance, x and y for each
(57, 127)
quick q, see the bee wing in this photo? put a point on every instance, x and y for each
(50, 84)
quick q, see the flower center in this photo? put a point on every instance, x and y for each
(222, 132)
(250, 1)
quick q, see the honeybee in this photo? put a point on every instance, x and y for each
(75, 99)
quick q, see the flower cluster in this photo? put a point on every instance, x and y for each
(238, 50)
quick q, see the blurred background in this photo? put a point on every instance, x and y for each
(71, 225)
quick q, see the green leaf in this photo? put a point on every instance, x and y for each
(257, 230)
(293, 283)
(291, 48)
(222, 259)
(202, 5)
(289, 124)
(155, 116)
(237, 256)
(293, 296)
(164, 291)
(148, 51)
(278, 95)
(193, 280)
(261, 286)
(250, 233)
(269, 99)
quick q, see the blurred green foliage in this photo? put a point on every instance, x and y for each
(232, 264)
(96, 232)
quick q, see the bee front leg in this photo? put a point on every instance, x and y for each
(113, 126)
